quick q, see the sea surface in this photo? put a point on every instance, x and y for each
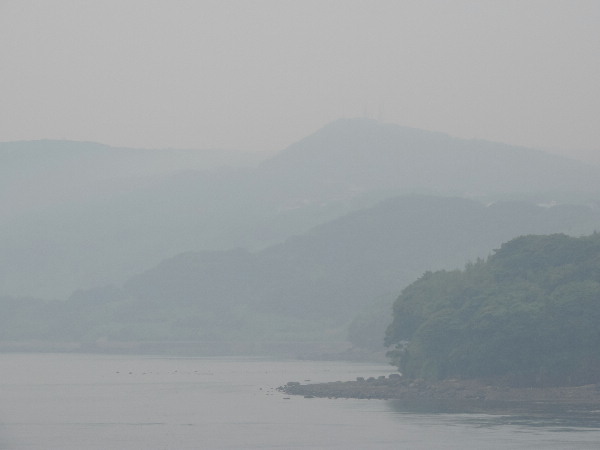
(89, 401)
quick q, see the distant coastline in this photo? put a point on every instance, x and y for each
(315, 351)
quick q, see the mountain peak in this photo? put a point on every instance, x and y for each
(361, 154)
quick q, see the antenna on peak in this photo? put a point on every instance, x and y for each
(380, 115)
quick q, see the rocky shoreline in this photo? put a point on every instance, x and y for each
(399, 388)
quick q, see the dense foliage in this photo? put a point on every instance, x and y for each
(529, 314)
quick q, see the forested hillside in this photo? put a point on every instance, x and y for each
(530, 315)
(307, 288)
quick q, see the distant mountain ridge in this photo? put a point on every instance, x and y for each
(306, 288)
(364, 154)
(96, 223)
(39, 174)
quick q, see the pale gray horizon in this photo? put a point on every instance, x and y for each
(259, 75)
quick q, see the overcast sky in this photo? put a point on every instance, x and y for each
(261, 74)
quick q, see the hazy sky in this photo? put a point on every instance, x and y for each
(262, 74)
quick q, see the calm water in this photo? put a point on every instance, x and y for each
(77, 401)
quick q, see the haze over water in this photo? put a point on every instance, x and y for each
(77, 401)
(231, 177)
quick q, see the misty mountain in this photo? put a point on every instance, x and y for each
(308, 287)
(75, 214)
(41, 174)
(83, 215)
(335, 268)
(350, 156)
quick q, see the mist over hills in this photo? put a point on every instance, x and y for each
(334, 268)
(46, 173)
(77, 214)
(359, 155)
(91, 215)
(306, 288)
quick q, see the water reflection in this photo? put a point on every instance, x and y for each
(557, 417)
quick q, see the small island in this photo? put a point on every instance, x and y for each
(522, 326)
